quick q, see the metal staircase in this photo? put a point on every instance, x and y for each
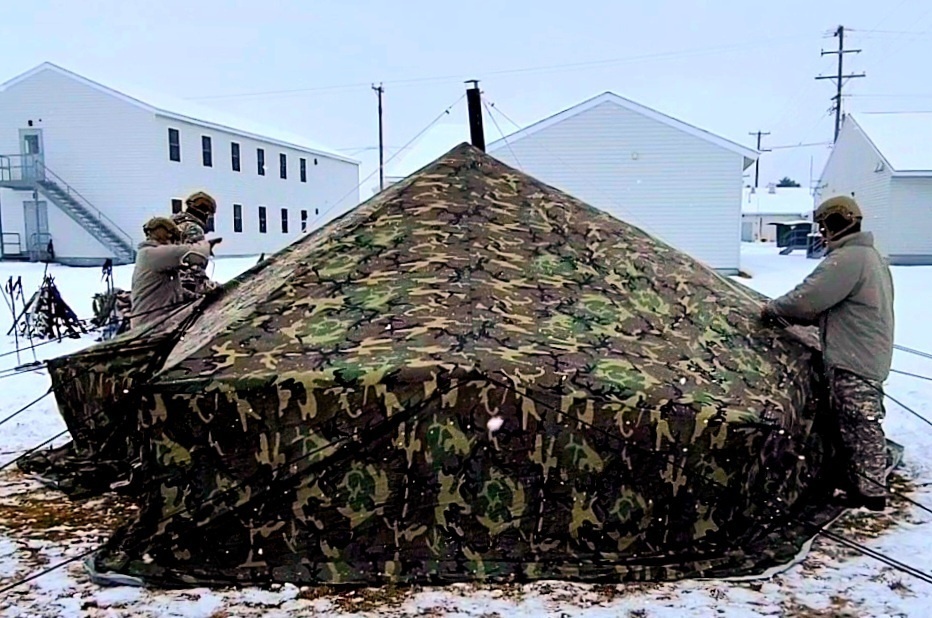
(29, 173)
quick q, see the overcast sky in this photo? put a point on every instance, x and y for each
(727, 66)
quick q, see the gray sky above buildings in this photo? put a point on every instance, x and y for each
(726, 66)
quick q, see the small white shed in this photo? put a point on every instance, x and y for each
(885, 162)
(675, 181)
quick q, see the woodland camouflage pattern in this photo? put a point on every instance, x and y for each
(324, 418)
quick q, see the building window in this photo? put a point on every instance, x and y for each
(303, 221)
(174, 145)
(234, 156)
(262, 222)
(303, 170)
(176, 206)
(283, 165)
(238, 218)
(284, 220)
(260, 161)
(207, 151)
(211, 227)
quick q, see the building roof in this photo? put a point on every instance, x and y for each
(188, 111)
(791, 201)
(749, 154)
(901, 139)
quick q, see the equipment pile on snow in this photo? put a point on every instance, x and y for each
(48, 316)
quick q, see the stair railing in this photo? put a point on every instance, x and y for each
(87, 205)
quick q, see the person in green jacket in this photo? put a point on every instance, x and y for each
(850, 297)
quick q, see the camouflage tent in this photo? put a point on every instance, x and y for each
(471, 376)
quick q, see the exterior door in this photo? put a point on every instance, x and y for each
(36, 216)
(31, 149)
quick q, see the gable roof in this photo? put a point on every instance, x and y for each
(902, 140)
(188, 111)
(795, 201)
(749, 154)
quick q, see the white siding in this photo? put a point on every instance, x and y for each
(96, 143)
(677, 187)
(911, 220)
(115, 154)
(327, 183)
(851, 170)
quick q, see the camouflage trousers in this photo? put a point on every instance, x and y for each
(857, 405)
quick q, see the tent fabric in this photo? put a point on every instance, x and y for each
(474, 376)
(97, 391)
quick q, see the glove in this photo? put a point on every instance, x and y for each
(214, 241)
(768, 316)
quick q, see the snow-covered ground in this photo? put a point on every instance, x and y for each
(38, 528)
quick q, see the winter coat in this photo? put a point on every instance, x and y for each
(157, 290)
(850, 296)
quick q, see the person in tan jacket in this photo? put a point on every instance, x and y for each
(157, 289)
(850, 297)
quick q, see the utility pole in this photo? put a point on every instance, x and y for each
(757, 163)
(840, 76)
(474, 104)
(379, 90)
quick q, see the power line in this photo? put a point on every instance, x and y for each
(391, 158)
(809, 145)
(532, 69)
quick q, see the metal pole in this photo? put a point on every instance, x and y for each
(379, 90)
(474, 102)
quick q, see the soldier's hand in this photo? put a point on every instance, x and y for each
(214, 241)
(768, 317)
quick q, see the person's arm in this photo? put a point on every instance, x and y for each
(167, 257)
(830, 283)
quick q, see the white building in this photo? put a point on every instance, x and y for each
(885, 162)
(85, 165)
(677, 182)
(763, 207)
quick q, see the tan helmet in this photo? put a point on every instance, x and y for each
(161, 229)
(201, 204)
(839, 205)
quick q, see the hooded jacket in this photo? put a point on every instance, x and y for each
(850, 296)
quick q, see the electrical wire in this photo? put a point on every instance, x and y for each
(552, 68)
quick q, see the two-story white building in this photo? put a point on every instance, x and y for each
(678, 182)
(83, 166)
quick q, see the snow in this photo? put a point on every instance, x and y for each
(902, 138)
(792, 201)
(830, 581)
